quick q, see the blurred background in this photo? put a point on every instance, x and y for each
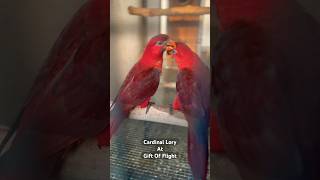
(28, 31)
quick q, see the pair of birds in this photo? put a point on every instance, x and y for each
(68, 101)
(265, 73)
(192, 98)
(265, 69)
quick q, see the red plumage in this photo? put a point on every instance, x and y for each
(193, 99)
(141, 82)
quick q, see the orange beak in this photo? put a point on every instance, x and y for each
(170, 46)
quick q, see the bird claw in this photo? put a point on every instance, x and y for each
(149, 106)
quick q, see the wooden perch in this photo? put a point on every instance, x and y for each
(174, 11)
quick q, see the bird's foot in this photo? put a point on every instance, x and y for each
(149, 106)
(145, 103)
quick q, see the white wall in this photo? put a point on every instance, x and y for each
(126, 41)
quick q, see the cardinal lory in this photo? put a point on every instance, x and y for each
(141, 82)
(266, 74)
(215, 142)
(68, 100)
(193, 97)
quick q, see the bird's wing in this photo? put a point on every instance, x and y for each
(196, 112)
(135, 69)
(141, 86)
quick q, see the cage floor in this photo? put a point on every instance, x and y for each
(126, 161)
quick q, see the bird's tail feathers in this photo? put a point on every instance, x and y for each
(198, 150)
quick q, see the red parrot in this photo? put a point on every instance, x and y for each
(215, 142)
(68, 100)
(193, 99)
(265, 82)
(141, 82)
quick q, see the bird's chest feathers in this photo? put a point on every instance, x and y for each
(158, 65)
(155, 63)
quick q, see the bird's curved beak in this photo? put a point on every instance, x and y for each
(170, 47)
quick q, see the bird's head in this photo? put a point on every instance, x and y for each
(182, 53)
(153, 52)
(157, 45)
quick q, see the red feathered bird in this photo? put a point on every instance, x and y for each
(193, 97)
(68, 100)
(266, 73)
(141, 82)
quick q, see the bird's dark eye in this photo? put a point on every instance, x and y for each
(160, 43)
(174, 51)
